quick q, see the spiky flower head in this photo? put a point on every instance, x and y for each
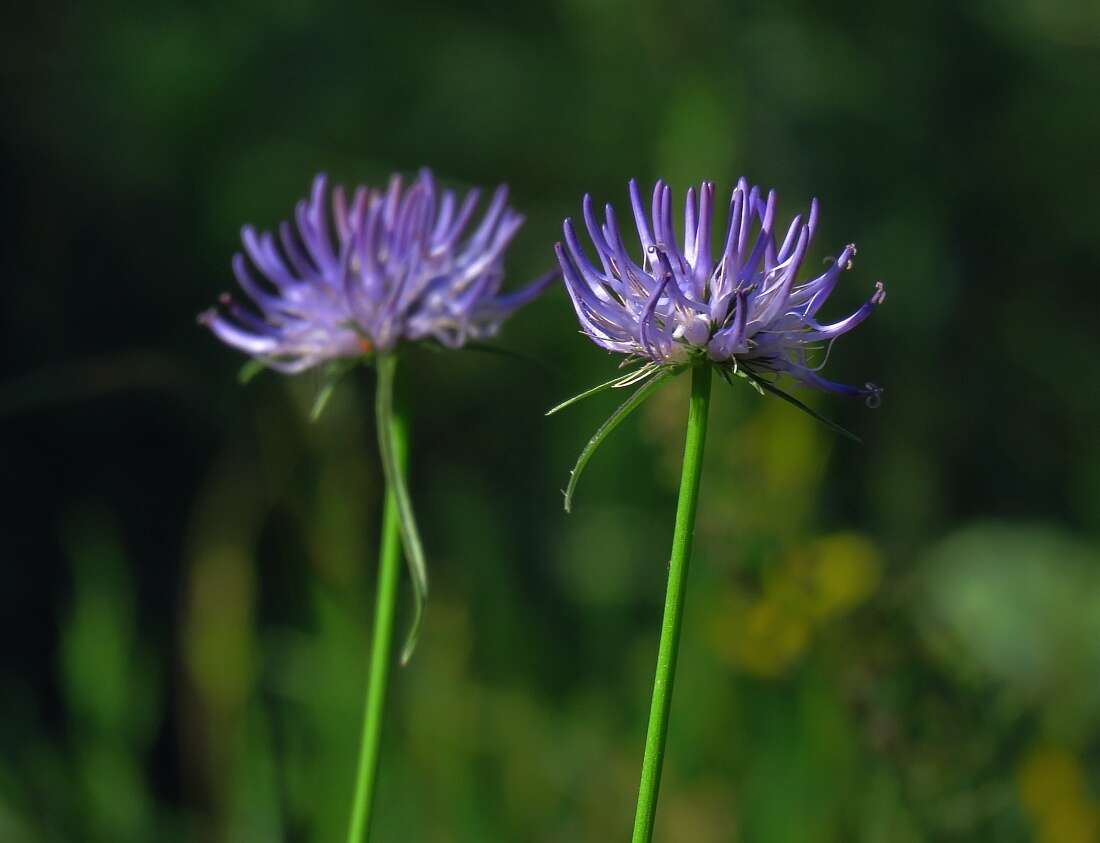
(389, 265)
(740, 306)
(382, 267)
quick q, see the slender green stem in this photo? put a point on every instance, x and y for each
(674, 604)
(389, 574)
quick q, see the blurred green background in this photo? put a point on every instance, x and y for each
(898, 641)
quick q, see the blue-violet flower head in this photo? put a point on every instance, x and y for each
(741, 307)
(390, 265)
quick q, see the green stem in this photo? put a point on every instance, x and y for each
(672, 622)
(389, 574)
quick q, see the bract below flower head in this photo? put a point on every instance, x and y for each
(739, 306)
(385, 266)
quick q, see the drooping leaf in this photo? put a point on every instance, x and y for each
(395, 482)
(605, 429)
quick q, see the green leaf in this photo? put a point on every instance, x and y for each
(395, 482)
(333, 372)
(249, 370)
(605, 429)
(766, 386)
(621, 380)
(322, 398)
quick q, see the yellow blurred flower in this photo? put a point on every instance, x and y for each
(773, 638)
(1055, 796)
(845, 571)
(767, 634)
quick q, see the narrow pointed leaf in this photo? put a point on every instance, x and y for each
(249, 370)
(333, 372)
(605, 429)
(322, 399)
(790, 399)
(395, 482)
(588, 393)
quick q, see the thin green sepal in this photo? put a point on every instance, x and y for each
(249, 370)
(765, 386)
(333, 371)
(614, 383)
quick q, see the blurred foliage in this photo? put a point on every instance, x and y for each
(893, 642)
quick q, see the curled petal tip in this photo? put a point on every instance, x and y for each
(757, 317)
(879, 295)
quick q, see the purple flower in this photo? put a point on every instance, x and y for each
(741, 306)
(389, 266)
